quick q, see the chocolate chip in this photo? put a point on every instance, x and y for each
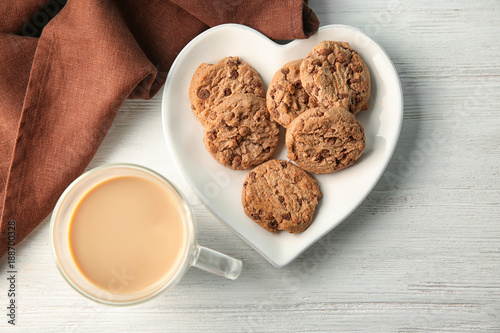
(245, 184)
(227, 92)
(244, 131)
(287, 216)
(256, 83)
(203, 94)
(281, 198)
(212, 135)
(297, 84)
(267, 150)
(316, 62)
(324, 52)
(272, 225)
(256, 217)
(193, 107)
(231, 63)
(285, 71)
(283, 164)
(252, 175)
(229, 116)
(234, 74)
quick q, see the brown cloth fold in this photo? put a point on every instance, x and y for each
(59, 93)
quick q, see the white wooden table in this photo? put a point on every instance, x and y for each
(421, 254)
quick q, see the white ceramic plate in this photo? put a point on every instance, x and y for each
(220, 188)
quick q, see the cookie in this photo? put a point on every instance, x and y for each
(278, 195)
(335, 75)
(286, 98)
(325, 140)
(241, 134)
(212, 84)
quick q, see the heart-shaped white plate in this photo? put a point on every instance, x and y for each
(220, 189)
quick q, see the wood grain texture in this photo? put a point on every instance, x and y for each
(421, 254)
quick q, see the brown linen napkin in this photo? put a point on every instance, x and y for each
(60, 93)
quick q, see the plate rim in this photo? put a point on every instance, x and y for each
(170, 145)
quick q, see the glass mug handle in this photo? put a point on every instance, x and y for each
(217, 263)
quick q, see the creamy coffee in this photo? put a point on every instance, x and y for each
(126, 234)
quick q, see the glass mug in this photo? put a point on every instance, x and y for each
(70, 208)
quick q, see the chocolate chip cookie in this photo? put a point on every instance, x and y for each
(212, 84)
(286, 98)
(240, 133)
(278, 195)
(336, 75)
(325, 140)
